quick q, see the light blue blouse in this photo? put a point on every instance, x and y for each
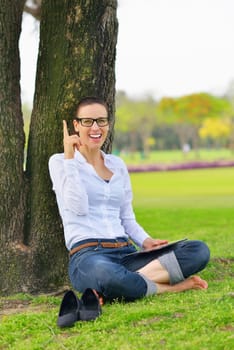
(89, 206)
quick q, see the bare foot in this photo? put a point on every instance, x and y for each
(198, 283)
(194, 282)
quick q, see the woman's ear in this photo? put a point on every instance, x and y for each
(76, 126)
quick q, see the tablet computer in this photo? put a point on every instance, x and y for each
(160, 247)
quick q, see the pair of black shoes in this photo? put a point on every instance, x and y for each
(73, 309)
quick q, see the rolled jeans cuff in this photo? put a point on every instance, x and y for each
(170, 263)
(151, 286)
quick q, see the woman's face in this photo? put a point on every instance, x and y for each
(92, 136)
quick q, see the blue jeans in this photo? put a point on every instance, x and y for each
(112, 272)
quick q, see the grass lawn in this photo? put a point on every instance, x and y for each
(177, 156)
(196, 204)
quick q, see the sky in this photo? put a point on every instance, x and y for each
(165, 48)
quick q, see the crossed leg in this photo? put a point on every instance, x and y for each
(158, 274)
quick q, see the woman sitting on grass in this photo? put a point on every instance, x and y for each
(94, 197)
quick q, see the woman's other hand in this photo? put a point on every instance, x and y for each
(150, 243)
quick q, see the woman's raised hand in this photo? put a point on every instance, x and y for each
(70, 142)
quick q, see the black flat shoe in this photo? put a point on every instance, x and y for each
(69, 310)
(90, 307)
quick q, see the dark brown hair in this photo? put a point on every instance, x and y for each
(89, 100)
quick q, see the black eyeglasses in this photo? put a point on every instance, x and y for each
(88, 122)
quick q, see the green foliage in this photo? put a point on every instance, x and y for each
(195, 206)
(192, 109)
(177, 118)
(135, 117)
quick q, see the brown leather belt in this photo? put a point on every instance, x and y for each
(102, 244)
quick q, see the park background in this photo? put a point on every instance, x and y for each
(195, 203)
(174, 79)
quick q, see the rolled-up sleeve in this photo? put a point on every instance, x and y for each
(67, 184)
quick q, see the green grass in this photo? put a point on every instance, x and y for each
(185, 189)
(177, 156)
(196, 204)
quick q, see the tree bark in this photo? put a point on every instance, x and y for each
(12, 184)
(76, 59)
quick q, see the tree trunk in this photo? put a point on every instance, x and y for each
(76, 59)
(12, 185)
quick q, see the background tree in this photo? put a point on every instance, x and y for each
(188, 113)
(167, 116)
(230, 97)
(127, 122)
(76, 58)
(146, 112)
(136, 119)
(217, 130)
(12, 180)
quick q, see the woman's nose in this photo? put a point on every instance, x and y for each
(95, 126)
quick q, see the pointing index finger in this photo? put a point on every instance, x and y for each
(65, 131)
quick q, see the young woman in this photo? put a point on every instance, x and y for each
(94, 198)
